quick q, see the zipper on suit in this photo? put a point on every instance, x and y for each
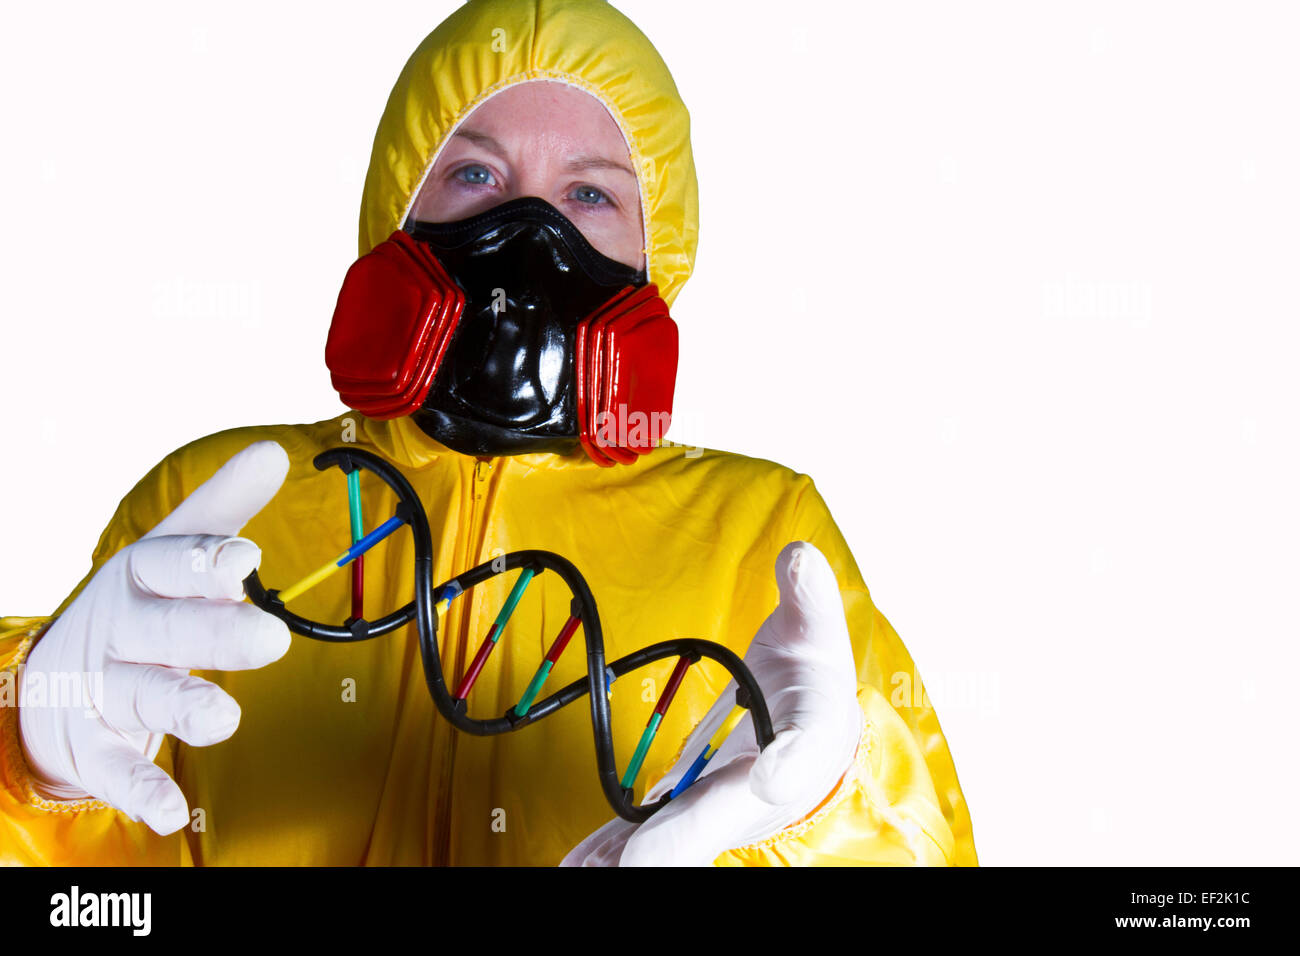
(478, 497)
(478, 489)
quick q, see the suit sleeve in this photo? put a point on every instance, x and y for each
(35, 831)
(900, 802)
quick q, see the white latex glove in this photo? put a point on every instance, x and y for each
(803, 662)
(163, 605)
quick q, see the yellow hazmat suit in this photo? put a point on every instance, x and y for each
(340, 757)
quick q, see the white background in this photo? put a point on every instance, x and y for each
(1014, 282)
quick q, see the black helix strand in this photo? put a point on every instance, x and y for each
(421, 610)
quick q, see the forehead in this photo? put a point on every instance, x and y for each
(554, 114)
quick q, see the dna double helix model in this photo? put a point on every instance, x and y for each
(431, 603)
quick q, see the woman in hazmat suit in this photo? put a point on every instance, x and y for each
(551, 136)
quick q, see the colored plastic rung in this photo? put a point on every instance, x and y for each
(535, 685)
(715, 744)
(484, 651)
(656, 717)
(351, 554)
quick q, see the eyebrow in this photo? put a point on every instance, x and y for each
(582, 163)
(576, 165)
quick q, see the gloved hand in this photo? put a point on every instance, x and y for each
(165, 604)
(803, 662)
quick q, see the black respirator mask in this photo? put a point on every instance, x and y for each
(506, 333)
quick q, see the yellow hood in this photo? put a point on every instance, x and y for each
(489, 45)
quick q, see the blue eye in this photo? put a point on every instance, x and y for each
(475, 174)
(589, 195)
